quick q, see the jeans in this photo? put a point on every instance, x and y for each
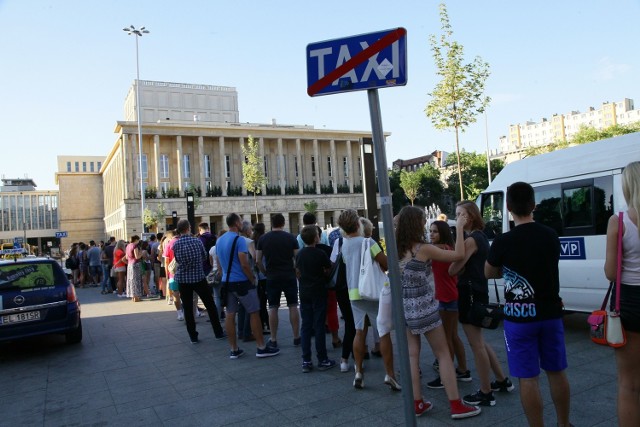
(186, 295)
(106, 276)
(314, 313)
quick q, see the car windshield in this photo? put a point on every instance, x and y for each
(28, 276)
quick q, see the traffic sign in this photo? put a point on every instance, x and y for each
(365, 61)
(61, 234)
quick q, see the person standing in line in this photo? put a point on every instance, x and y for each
(342, 297)
(154, 244)
(312, 268)
(244, 322)
(95, 265)
(168, 255)
(190, 255)
(106, 258)
(447, 296)
(217, 274)
(258, 231)
(421, 307)
(83, 263)
(240, 282)
(473, 286)
(279, 249)
(349, 221)
(527, 257)
(627, 355)
(134, 270)
(120, 267)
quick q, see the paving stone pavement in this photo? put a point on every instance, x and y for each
(136, 367)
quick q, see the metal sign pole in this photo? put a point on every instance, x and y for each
(392, 255)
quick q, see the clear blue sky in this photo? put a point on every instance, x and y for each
(67, 66)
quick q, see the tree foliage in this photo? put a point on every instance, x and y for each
(253, 170)
(474, 174)
(458, 97)
(410, 183)
(429, 187)
(152, 218)
(584, 135)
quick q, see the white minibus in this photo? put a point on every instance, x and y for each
(577, 189)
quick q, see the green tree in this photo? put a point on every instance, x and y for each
(473, 169)
(253, 170)
(458, 96)
(311, 206)
(410, 183)
(152, 218)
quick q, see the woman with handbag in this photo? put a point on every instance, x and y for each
(627, 355)
(473, 288)
(421, 307)
(352, 254)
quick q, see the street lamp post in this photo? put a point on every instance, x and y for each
(138, 33)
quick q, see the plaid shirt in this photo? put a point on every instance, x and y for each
(189, 253)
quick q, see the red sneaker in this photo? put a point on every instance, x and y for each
(421, 406)
(464, 411)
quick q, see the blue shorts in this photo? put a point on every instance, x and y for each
(449, 306)
(173, 285)
(534, 345)
(276, 287)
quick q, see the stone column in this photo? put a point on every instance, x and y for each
(156, 162)
(320, 219)
(137, 174)
(299, 160)
(267, 221)
(223, 177)
(125, 164)
(241, 141)
(201, 164)
(264, 186)
(336, 215)
(281, 161)
(179, 156)
(350, 167)
(317, 165)
(334, 164)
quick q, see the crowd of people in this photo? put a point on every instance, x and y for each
(241, 275)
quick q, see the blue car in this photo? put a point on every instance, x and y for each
(36, 298)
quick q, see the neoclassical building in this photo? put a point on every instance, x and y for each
(192, 138)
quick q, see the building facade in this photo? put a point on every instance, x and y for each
(564, 126)
(27, 213)
(201, 149)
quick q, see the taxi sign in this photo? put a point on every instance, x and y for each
(362, 62)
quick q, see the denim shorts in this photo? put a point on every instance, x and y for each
(449, 306)
(534, 345)
(242, 293)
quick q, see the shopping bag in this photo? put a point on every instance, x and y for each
(372, 278)
(385, 320)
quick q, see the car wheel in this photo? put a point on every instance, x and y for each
(74, 336)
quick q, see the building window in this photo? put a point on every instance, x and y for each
(68, 166)
(91, 167)
(359, 167)
(207, 166)
(313, 166)
(295, 165)
(345, 166)
(84, 166)
(145, 169)
(266, 166)
(164, 187)
(99, 166)
(228, 184)
(329, 168)
(186, 165)
(164, 166)
(331, 183)
(186, 184)
(207, 186)
(227, 166)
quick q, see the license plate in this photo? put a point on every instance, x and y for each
(29, 316)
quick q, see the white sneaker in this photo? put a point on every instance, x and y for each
(344, 366)
(180, 315)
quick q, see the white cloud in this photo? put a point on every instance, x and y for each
(607, 70)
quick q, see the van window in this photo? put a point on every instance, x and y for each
(579, 208)
(491, 206)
